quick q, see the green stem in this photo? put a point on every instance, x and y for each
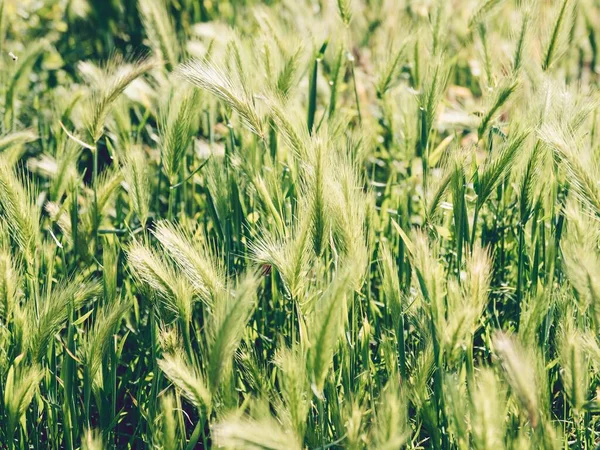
(312, 88)
(401, 348)
(520, 262)
(95, 186)
(351, 59)
(194, 172)
(171, 202)
(474, 229)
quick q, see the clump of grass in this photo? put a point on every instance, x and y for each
(288, 229)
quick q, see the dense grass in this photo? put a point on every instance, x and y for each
(299, 224)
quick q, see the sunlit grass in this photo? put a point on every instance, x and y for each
(299, 224)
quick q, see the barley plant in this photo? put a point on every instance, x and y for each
(299, 224)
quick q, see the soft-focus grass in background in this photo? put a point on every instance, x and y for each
(299, 224)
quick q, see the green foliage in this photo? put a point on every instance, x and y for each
(297, 224)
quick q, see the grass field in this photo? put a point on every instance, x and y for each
(299, 224)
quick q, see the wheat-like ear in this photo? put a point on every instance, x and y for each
(581, 174)
(315, 191)
(173, 291)
(530, 188)
(346, 204)
(92, 440)
(177, 121)
(477, 285)
(19, 211)
(194, 257)
(66, 168)
(257, 434)
(345, 10)
(575, 364)
(438, 190)
(481, 13)
(390, 428)
(56, 306)
(105, 187)
(582, 259)
(464, 304)
(533, 313)
(110, 264)
(390, 282)
(288, 75)
(386, 76)
(324, 330)
(430, 277)
(431, 96)
(10, 284)
(394, 298)
(271, 198)
(17, 138)
(457, 408)
(166, 436)
(98, 339)
(217, 81)
(136, 174)
(488, 410)
(232, 310)
(21, 385)
(295, 137)
(295, 388)
(553, 43)
(116, 78)
(521, 43)
(519, 371)
(496, 170)
(160, 30)
(187, 379)
(290, 255)
(502, 96)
